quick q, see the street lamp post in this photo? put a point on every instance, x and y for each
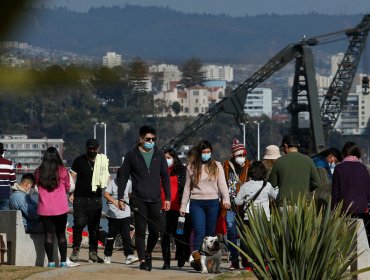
(105, 135)
(243, 125)
(258, 139)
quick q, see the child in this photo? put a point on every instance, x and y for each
(256, 174)
(118, 222)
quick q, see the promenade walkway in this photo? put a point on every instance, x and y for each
(118, 270)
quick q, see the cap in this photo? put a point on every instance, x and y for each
(2, 147)
(92, 143)
(272, 152)
(290, 140)
(237, 148)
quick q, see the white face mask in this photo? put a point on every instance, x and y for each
(240, 160)
(169, 161)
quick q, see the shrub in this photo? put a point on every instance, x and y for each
(300, 242)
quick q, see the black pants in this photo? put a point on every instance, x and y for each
(55, 225)
(86, 212)
(116, 226)
(170, 219)
(144, 213)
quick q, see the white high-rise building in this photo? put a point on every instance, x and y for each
(216, 72)
(170, 73)
(112, 59)
(259, 102)
(335, 61)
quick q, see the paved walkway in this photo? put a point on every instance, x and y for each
(87, 271)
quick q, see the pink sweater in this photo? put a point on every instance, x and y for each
(206, 188)
(55, 202)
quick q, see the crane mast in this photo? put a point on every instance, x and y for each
(304, 90)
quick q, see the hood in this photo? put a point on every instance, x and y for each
(17, 187)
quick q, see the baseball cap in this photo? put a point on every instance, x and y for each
(92, 143)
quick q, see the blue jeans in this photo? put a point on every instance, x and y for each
(204, 215)
(232, 235)
(4, 204)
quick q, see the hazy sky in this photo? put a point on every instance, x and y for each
(231, 7)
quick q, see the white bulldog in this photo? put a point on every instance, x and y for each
(210, 251)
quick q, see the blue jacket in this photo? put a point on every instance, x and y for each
(20, 200)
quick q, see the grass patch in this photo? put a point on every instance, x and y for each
(235, 275)
(11, 272)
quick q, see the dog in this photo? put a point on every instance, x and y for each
(210, 251)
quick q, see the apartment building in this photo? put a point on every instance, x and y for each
(218, 72)
(259, 102)
(28, 152)
(167, 74)
(112, 59)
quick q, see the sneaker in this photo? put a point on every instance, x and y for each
(74, 255)
(63, 264)
(130, 259)
(148, 261)
(51, 264)
(71, 264)
(107, 260)
(234, 265)
(93, 257)
(142, 266)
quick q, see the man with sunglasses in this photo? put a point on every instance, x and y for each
(87, 204)
(147, 166)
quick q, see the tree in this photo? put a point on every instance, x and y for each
(176, 107)
(138, 74)
(192, 73)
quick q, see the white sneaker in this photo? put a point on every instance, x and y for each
(71, 263)
(107, 260)
(130, 259)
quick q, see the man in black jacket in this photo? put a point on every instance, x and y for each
(147, 166)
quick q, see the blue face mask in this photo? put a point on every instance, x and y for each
(148, 145)
(206, 157)
(169, 162)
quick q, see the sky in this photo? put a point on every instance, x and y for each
(230, 7)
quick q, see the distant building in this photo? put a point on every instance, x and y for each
(28, 152)
(335, 61)
(216, 72)
(193, 101)
(259, 102)
(112, 59)
(166, 75)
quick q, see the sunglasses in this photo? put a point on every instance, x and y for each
(147, 139)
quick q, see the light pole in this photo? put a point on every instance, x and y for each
(105, 135)
(258, 138)
(243, 125)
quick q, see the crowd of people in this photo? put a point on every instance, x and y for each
(171, 200)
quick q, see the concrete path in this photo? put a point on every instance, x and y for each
(87, 271)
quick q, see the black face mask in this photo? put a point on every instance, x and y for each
(91, 155)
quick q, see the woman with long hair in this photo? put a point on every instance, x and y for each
(53, 182)
(205, 180)
(177, 173)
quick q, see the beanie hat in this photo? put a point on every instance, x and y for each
(237, 148)
(272, 152)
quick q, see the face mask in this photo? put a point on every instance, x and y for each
(206, 157)
(91, 155)
(148, 145)
(169, 161)
(240, 160)
(331, 166)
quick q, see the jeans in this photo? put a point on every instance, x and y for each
(232, 234)
(121, 226)
(4, 204)
(86, 212)
(204, 215)
(145, 213)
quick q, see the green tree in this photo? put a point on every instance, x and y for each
(176, 107)
(192, 73)
(138, 75)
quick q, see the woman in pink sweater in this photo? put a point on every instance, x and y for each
(205, 181)
(52, 179)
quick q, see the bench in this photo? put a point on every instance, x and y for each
(23, 249)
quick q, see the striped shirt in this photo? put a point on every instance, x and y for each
(7, 177)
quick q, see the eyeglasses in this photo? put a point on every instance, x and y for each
(147, 139)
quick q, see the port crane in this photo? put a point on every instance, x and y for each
(304, 96)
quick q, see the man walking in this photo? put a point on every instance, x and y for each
(88, 170)
(147, 166)
(7, 179)
(293, 173)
